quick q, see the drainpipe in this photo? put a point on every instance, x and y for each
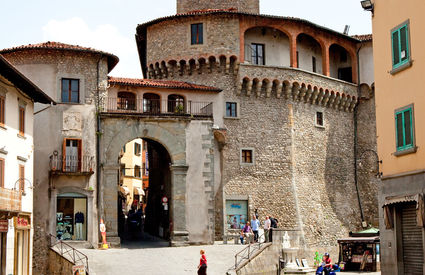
(98, 129)
(356, 136)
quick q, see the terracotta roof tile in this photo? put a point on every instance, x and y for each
(50, 45)
(363, 37)
(167, 84)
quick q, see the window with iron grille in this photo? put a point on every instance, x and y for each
(247, 156)
(70, 90)
(197, 34)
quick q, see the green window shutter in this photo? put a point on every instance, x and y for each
(408, 141)
(399, 129)
(404, 54)
(396, 49)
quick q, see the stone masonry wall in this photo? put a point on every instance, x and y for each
(251, 6)
(159, 46)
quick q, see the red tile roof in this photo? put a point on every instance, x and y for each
(49, 45)
(166, 84)
(363, 37)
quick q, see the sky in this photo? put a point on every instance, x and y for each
(110, 25)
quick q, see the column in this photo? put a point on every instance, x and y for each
(293, 51)
(354, 68)
(325, 60)
(109, 199)
(179, 233)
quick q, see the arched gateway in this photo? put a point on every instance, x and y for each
(173, 134)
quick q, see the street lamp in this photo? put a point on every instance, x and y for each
(23, 189)
(378, 161)
(367, 5)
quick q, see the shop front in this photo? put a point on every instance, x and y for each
(237, 213)
(22, 224)
(71, 217)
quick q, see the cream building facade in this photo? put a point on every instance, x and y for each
(17, 97)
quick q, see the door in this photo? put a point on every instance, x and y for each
(412, 241)
(22, 252)
(72, 155)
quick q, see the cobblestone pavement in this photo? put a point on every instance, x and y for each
(156, 258)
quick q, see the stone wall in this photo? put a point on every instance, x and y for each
(58, 265)
(251, 6)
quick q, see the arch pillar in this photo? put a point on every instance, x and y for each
(293, 51)
(325, 60)
(179, 233)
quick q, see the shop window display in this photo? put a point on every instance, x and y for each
(71, 217)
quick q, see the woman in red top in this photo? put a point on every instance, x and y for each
(202, 267)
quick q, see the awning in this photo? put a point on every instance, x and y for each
(124, 190)
(359, 240)
(139, 191)
(401, 199)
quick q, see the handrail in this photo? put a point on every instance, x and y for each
(68, 252)
(248, 252)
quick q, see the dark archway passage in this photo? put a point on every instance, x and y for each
(145, 193)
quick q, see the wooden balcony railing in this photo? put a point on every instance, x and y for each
(10, 200)
(158, 107)
(71, 164)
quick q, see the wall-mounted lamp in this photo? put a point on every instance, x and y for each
(367, 5)
(21, 182)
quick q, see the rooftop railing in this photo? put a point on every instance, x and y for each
(156, 107)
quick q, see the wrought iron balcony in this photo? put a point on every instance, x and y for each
(10, 200)
(71, 165)
(153, 107)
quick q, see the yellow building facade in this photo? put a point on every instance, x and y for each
(399, 58)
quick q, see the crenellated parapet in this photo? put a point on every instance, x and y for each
(296, 85)
(196, 65)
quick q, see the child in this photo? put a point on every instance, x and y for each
(241, 237)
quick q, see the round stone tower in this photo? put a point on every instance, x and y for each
(250, 6)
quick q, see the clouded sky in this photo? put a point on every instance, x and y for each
(110, 25)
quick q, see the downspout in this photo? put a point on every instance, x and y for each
(98, 132)
(356, 136)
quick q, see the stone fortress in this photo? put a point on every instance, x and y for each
(277, 118)
(303, 171)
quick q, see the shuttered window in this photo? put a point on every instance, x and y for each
(21, 120)
(404, 129)
(2, 110)
(197, 33)
(400, 45)
(412, 241)
(1, 172)
(21, 177)
(72, 153)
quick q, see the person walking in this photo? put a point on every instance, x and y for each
(255, 225)
(202, 267)
(266, 226)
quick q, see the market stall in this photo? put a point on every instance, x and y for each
(360, 251)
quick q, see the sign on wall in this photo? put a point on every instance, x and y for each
(237, 212)
(78, 270)
(4, 226)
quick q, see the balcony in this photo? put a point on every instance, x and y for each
(10, 200)
(71, 165)
(151, 107)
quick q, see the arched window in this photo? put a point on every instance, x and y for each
(176, 104)
(151, 103)
(126, 101)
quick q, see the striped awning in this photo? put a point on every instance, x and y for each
(124, 190)
(139, 191)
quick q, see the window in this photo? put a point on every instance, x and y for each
(231, 109)
(313, 62)
(257, 54)
(122, 169)
(123, 148)
(247, 156)
(319, 119)
(71, 155)
(126, 101)
(1, 172)
(176, 104)
(137, 148)
(70, 90)
(404, 128)
(151, 103)
(21, 120)
(2, 110)
(137, 171)
(21, 177)
(400, 45)
(197, 33)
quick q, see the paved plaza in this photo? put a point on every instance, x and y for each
(156, 258)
